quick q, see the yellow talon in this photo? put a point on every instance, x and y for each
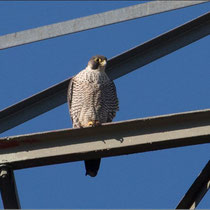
(93, 123)
(90, 123)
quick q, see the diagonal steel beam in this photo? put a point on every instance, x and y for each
(197, 190)
(90, 22)
(111, 139)
(117, 67)
(160, 46)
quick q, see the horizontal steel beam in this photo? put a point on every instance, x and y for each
(111, 139)
(90, 22)
(117, 67)
(197, 190)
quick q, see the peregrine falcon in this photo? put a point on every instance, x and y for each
(92, 100)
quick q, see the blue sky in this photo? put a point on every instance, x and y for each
(178, 82)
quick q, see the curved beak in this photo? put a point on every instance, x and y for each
(103, 63)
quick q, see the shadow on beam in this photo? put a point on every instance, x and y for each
(110, 139)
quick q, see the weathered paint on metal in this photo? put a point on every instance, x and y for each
(110, 139)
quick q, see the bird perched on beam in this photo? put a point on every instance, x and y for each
(92, 100)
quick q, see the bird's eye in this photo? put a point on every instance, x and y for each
(98, 60)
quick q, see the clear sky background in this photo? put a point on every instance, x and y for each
(178, 82)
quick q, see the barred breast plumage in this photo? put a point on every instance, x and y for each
(93, 97)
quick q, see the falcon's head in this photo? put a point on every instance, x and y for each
(97, 62)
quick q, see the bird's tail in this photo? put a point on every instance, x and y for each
(92, 167)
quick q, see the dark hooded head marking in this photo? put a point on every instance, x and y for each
(97, 61)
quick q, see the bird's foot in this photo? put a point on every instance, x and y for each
(93, 123)
(90, 124)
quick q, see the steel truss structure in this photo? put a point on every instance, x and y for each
(127, 137)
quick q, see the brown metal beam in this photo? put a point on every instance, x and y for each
(197, 190)
(111, 139)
